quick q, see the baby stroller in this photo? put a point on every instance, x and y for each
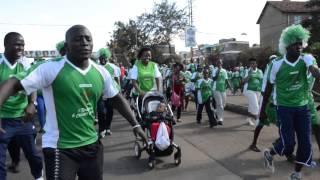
(151, 121)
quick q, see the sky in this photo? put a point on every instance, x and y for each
(43, 23)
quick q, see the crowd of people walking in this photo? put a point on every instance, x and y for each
(74, 96)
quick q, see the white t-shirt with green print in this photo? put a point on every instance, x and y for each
(70, 95)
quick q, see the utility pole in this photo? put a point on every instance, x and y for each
(190, 22)
(190, 13)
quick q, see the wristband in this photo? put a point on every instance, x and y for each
(138, 125)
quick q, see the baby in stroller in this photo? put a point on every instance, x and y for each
(161, 114)
(158, 122)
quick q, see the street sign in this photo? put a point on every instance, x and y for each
(190, 34)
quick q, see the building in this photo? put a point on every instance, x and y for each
(230, 51)
(276, 16)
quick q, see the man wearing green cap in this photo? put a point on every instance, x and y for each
(105, 109)
(60, 48)
(291, 96)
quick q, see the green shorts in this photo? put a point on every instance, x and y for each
(314, 114)
(271, 114)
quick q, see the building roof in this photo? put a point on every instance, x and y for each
(288, 7)
(230, 52)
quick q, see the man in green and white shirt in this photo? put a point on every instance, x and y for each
(71, 87)
(192, 67)
(220, 80)
(194, 78)
(17, 111)
(105, 109)
(270, 109)
(235, 80)
(291, 95)
(315, 120)
(252, 90)
(204, 95)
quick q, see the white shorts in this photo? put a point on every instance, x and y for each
(253, 101)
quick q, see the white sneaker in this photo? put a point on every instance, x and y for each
(108, 132)
(295, 176)
(268, 160)
(40, 178)
(250, 122)
(103, 133)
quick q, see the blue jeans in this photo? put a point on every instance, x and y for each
(24, 134)
(41, 109)
(295, 121)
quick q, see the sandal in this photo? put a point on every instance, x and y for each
(254, 148)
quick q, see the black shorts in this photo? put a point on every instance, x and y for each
(86, 162)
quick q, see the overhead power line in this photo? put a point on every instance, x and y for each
(45, 25)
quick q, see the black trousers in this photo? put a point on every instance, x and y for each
(86, 162)
(174, 108)
(209, 111)
(14, 150)
(105, 114)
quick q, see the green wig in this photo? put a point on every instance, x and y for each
(291, 35)
(60, 45)
(104, 52)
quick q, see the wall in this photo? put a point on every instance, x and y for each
(271, 25)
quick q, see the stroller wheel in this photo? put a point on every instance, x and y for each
(151, 163)
(177, 157)
(137, 150)
(177, 161)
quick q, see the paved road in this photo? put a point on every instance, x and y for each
(218, 153)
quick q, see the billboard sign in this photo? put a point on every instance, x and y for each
(190, 34)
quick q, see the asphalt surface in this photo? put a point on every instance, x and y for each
(217, 153)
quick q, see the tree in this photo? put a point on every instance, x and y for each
(164, 22)
(314, 23)
(128, 37)
(314, 49)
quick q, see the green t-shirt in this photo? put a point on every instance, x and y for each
(14, 107)
(236, 79)
(71, 95)
(146, 75)
(187, 76)
(291, 85)
(204, 88)
(220, 83)
(255, 80)
(192, 67)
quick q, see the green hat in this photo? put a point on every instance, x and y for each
(291, 35)
(60, 45)
(104, 52)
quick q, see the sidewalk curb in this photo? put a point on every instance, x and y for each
(237, 108)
